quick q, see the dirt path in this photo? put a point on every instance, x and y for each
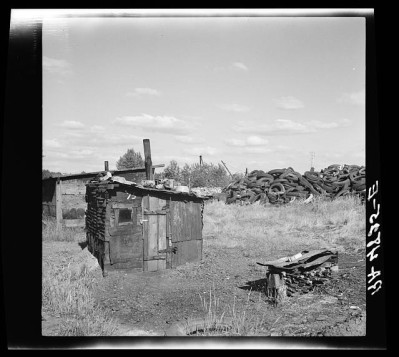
(149, 303)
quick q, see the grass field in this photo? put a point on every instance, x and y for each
(287, 227)
(256, 232)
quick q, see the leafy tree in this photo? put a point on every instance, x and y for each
(186, 175)
(130, 160)
(47, 174)
(196, 175)
(172, 171)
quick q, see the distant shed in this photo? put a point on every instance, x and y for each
(63, 197)
(143, 229)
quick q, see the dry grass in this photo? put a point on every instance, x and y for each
(69, 275)
(51, 233)
(322, 223)
(240, 322)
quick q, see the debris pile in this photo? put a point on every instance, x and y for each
(165, 184)
(285, 185)
(299, 273)
(207, 192)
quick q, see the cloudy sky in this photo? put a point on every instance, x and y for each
(255, 92)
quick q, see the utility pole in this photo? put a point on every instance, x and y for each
(227, 169)
(312, 155)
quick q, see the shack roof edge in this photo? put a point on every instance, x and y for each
(91, 174)
(150, 190)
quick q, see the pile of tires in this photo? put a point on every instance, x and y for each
(281, 186)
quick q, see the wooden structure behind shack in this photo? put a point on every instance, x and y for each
(63, 197)
(145, 229)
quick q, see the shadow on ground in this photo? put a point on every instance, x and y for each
(83, 245)
(256, 285)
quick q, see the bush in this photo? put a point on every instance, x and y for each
(196, 175)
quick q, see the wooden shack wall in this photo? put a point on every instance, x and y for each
(73, 198)
(125, 239)
(122, 246)
(115, 245)
(96, 223)
(48, 198)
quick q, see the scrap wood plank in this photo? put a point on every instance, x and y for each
(307, 260)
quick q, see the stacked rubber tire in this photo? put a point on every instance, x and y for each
(281, 186)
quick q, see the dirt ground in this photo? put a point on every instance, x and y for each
(149, 303)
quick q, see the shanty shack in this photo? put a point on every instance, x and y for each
(130, 226)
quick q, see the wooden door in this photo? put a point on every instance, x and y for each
(155, 240)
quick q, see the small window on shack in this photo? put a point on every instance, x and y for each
(125, 216)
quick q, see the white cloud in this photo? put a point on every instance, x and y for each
(139, 92)
(101, 138)
(97, 129)
(257, 150)
(250, 141)
(181, 160)
(242, 147)
(158, 123)
(205, 150)
(72, 124)
(287, 127)
(356, 98)
(256, 140)
(239, 66)
(56, 66)
(188, 139)
(51, 143)
(234, 107)
(289, 103)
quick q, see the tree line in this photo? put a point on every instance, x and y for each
(194, 175)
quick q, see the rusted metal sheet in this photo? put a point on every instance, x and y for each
(186, 223)
(187, 251)
(126, 249)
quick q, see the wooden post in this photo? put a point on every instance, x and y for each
(147, 159)
(58, 203)
(106, 165)
(227, 169)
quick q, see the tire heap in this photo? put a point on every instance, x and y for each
(281, 186)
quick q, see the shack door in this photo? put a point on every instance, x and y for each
(155, 240)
